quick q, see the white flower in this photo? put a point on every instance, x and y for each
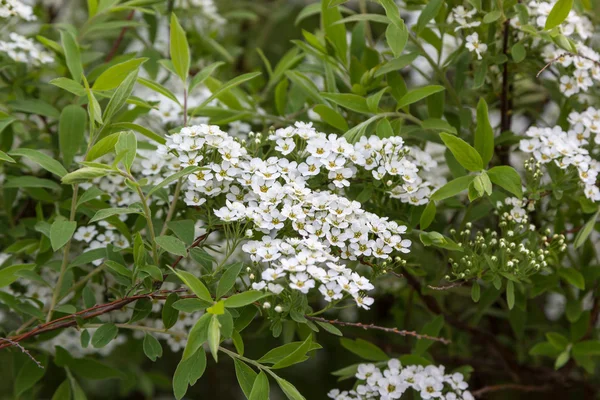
(474, 45)
(85, 233)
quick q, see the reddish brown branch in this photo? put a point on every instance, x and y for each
(117, 42)
(511, 386)
(380, 328)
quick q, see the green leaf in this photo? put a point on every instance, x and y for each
(63, 392)
(585, 232)
(245, 376)
(350, 101)
(179, 49)
(510, 294)
(103, 146)
(191, 305)
(260, 388)
(72, 55)
(475, 292)
(94, 110)
(290, 390)
(126, 148)
(586, 348)
(69, 85)
(188, 372)
(36, 107)
(428, 215)
(228, 279)
(573, 277)
(296, 356)
(364, 349)
(277, 354)
(104, 335)
(184, 229)
(392, 12)
(84, 174)
(336, 33)
(71, 129)
(6, 157)
(245, 298)
(484, 135)
(61, 232)
(121, 126)
(9, 274)
(194, 284)
(30, 182)
(453, 188)
(118, 268)
(562, 358)
(119, 98)
(330, 328)
(114, 75)
(466, 155)
(43, 160)
(430, 11)
(172, 245)
(432, 328)
(217, 308)
(170, 313)
(492, 16)
(331, 117)
(559, 13)
(172, 178)
(229, 85)
(396, 64)
(507, 178)
(414, 95)
(158, 88)
(214, 336)
(202, 75)
(306, 85)
(29, 374)
(518, 52)
(109, 212)
(152, 347)
(396, 38)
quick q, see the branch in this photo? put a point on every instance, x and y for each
(565, 54)
(379, 328)
(117, 42)
(24, 351)
(511, 386)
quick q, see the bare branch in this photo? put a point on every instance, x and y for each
(380, 328)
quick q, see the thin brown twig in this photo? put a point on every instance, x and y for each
(24, 351)
(380, 328)
(113, 50)
(446, 287)
(511, 386)
(565, 54)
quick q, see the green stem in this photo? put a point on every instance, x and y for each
(65, 260)
(148, 215)
(441, 75)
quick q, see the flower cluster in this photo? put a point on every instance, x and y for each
(430, 382)
(463, 18)
(403, 169)
(574, 24)
(577, 71)
(14, 8)
(24, 50)
(517, 250)
(316, 228)
(569, 149)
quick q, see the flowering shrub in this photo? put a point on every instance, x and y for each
(303, 200)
